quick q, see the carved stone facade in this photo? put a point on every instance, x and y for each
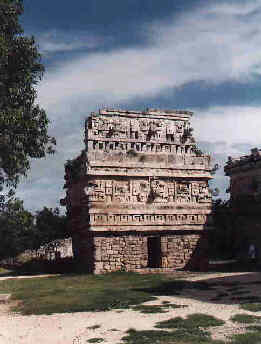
(138, 195)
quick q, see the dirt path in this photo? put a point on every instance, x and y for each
(26, 276)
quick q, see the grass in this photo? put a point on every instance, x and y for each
(166, 337)
(246, 338)
(189, 331)
(253, 334)
(245, 318)
(194, 321)
(95, 340)
(147, 337)
(174, 288)
(77, 293)
(87, 292)
(163, 308)
(252, 307)
(254, 328)
(183, 331)
(94, 327)
(150, 309)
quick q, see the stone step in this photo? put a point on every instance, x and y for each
(4, 298)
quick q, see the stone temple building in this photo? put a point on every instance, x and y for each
(138, 196)
(245, 177)
(245, 198)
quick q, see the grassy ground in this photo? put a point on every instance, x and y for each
(74, 293)
(246, 318)
(190, 330)
(86, 292)
(157, 308)
(193, 330)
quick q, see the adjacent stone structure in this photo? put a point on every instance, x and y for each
(138, 195)
(245, 199)
(245, 177)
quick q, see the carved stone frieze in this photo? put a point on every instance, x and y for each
(150, 190)
(139, 129)
(146, 219)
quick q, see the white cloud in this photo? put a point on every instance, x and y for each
(231, 125)
(214, 43)
(55, 41)
(207, 44)
(227, 131)
(236, 8)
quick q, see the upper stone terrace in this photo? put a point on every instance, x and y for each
(153, 138)
(244, 162)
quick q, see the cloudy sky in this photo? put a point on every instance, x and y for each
(202, 56)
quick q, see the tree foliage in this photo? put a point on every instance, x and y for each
(20, 230)
(49, 226)
(17, 227)
(23, 124)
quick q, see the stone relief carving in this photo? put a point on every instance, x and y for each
(200, 192)
(150, 190)
(143, 129)
(183, 192)
(146, 219)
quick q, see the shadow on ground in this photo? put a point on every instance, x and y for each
(237, 289)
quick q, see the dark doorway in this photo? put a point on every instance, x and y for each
(154, 252)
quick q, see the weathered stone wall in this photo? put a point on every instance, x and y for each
(179, 249)
(105, 252)
(127, 252)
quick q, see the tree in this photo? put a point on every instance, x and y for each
(49, 227)
(16, 226)
(20, 230)
(23, 124)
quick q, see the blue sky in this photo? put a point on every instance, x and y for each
(202, 56)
